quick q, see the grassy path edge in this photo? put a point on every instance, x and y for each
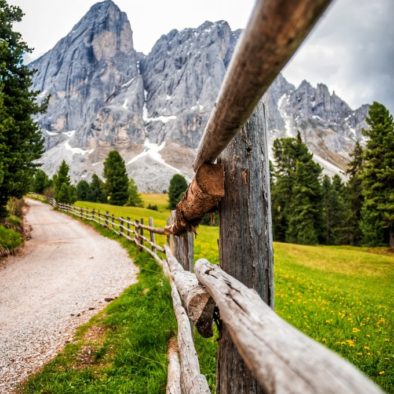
(121, 349)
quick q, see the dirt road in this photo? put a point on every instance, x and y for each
(60, 280)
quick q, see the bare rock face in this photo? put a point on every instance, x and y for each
(326, 123)
(153, 109)
(182, 76)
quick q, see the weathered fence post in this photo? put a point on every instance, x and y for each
(81, 212)
(121, 221)
(142, 232)
(92, 214)
(182, 247)
(136, 233)
(168, 237)
(113, 221)
(245, 245)
(152, 235)
(106, 219)
(128, 226)
(98, 216)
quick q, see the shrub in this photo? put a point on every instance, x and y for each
(153, 207)
(9, 239)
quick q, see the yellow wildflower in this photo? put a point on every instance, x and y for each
(350, 342)
(355, 329)
(381, 373)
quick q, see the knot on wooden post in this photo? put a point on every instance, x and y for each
(201, 197)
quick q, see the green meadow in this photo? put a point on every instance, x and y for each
(340, 296)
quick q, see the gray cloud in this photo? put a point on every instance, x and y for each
(352, 51)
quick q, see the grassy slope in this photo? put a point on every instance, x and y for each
(122, 349)
(340, 296)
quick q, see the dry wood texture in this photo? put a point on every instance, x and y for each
(282, 359)
(196, 299)
(174, 369)
(201, 197)
(191, 379)
(245, 244)
(275, 30)
(182, 246)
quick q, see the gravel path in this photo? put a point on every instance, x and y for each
(60, 280)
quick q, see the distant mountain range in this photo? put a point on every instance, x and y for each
(152, 108)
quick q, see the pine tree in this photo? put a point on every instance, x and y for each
(354, 195)
(82, 191)
(285, 156)
(377, 213)
(62, 185)
(21, 142)
(40, 181)
(96, 190)
(178, 186)
(304, 215)
(334, 211)
(296, 193)
(134, 199)
(116, 180)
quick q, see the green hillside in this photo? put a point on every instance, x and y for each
(340, 296)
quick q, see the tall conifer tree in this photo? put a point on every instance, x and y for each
(354, 195)
(21, 142)
(64, 192)
(377, 214)
(96, 190)
(116, 180)
(296, 194)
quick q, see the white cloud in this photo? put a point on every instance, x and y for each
(351, 50)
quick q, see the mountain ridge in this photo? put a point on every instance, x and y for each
(153, 108)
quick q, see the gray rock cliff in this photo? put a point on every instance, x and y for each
(105, 95)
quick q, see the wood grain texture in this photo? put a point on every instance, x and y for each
(281, 358)
(245, 244)
(182, 246)
(192, 381)
(197, 301)
(201, 197)
(174, 369)
(275, 30)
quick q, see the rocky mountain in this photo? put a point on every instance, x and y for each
(152, 108)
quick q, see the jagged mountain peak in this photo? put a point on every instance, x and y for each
(153, 109)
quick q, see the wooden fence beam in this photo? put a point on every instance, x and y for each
(275, 30)
(192, 381)
(202, 196)
(282, 358)
(174, 368)
(198, 303)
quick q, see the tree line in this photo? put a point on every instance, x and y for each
(116, 188)
(309, 208)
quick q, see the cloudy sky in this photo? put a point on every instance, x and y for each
(351, 50)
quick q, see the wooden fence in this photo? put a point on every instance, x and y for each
(281, 358)
(258, 351)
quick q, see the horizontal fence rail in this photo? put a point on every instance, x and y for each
(275, 30)
(280, 357)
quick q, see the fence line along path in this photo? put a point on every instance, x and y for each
(280, 357)
(61, 278)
